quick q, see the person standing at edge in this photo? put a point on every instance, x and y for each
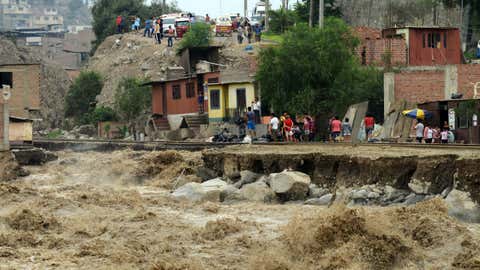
(158, 33)
(336, 128)
(369, 126)
(419, 128)
(428, 134)
(171, 35)
(118, 22)
(148, 26)
(274, 126)
(256, 105)
(288, 128)
(251, 123)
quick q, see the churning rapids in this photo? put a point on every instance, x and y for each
(114, 211)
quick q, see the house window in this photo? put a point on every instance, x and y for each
(176, 92)
(6, 78)
(434, 40)
(215, 99)
(190, 90)
(445, 40)
(423, 40)
(213, 80)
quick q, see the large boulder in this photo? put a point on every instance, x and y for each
(290, 185)
(206, 173)
(461, 205)
(257, 192)
(247, 177)
(316, 191)
(230, 194)
(324, 200)
(192, 191)
(207, 191)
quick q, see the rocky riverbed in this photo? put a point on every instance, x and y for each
(122, 210)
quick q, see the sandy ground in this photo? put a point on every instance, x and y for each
(372, 151)
(93, 211)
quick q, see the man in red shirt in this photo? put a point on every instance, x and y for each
(336, 128)
(369, 123)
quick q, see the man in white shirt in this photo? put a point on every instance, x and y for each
(256, 106)
(419, 128)
(274, 125)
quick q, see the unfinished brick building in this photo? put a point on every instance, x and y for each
(409, 46)
(24, 81)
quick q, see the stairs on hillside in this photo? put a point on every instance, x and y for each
(195, 121)
(162, 124)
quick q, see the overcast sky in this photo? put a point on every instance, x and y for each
(215, 8)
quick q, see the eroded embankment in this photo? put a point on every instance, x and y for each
(427, 174)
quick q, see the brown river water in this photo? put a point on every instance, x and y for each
(113, 211)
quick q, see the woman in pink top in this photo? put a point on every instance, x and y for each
(336, 128)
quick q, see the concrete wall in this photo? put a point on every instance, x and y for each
(430, 83)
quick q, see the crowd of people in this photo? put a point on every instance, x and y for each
(425, 133)
(285, 128)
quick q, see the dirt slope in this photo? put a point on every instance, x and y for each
(130, 55)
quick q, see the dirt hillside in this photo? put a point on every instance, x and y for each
(133, 55)
(130, 55)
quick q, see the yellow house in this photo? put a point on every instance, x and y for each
(228, 100)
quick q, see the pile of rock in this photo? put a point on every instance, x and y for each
(296, 186)
(249, 186)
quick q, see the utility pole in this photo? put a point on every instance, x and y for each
(310, 18)
(267, 13)
(321, 13)
(6, 118)
(245, 8)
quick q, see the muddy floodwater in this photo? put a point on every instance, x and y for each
(114, 211)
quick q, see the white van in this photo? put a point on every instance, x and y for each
(169, 20)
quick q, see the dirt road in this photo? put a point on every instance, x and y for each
(93, 211)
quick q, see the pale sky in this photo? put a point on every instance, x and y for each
(215, 8)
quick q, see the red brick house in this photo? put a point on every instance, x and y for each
(176, 98)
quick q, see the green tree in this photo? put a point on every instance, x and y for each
(302, 10)
(281, 20)
(199, 35)
(103, 114)
(132, 99)
(80, 99)
(316, 70)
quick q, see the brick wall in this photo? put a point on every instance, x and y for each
(420, 86)
(26, 89)
(372, 48)
(468, 75)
